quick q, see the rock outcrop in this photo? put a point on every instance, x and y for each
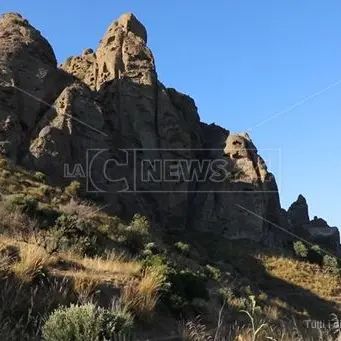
(316, 231)
(139, 143)
(298, 212)
(29, 82)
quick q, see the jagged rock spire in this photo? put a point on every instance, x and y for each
(298, 212)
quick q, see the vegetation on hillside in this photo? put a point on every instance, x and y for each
(69, 271)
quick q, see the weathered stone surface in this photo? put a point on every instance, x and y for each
(140, 113)
(298, 212)
(83, 67)
(68, 129)
(242, 206)
(110, 100)
(29, 81)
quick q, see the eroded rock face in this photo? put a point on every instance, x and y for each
(242, 206)
(140, 113)
(111, 101)
(67, 130)
(29, 82)
(298, 212)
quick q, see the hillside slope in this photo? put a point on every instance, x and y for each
(57, 249)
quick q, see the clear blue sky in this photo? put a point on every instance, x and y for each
(242, 61)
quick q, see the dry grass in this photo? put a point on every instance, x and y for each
(85, 284)
(272, 312)
(141, 296)
(85, 273)
(287, 330)
(88, 273)
(303, 274)
(15, 223)
(111, 267)
(4, 263)
(83, 209)
(32, 261)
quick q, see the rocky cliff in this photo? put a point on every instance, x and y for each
(132, 140)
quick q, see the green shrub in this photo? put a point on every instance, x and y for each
(159, 264)
(184, 288)
(5, 173)
(331, 264)
(187, 285)
(300, 249)
(74, 323)
(235, 300)
(182, 247)
(316, 248)
(152, 247)
(147, 253)
(262, 297)
(247, 291)
(213, 272)
(24, 203)
(44, 190)
(40, 176)
(47, 215)
(3, 162)
(44, 213)
(87, 323)
(136, 235)
(73, 190)
(114, 321)
(180, 286)
(73, 233)
(175, 302)
(199, 305)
